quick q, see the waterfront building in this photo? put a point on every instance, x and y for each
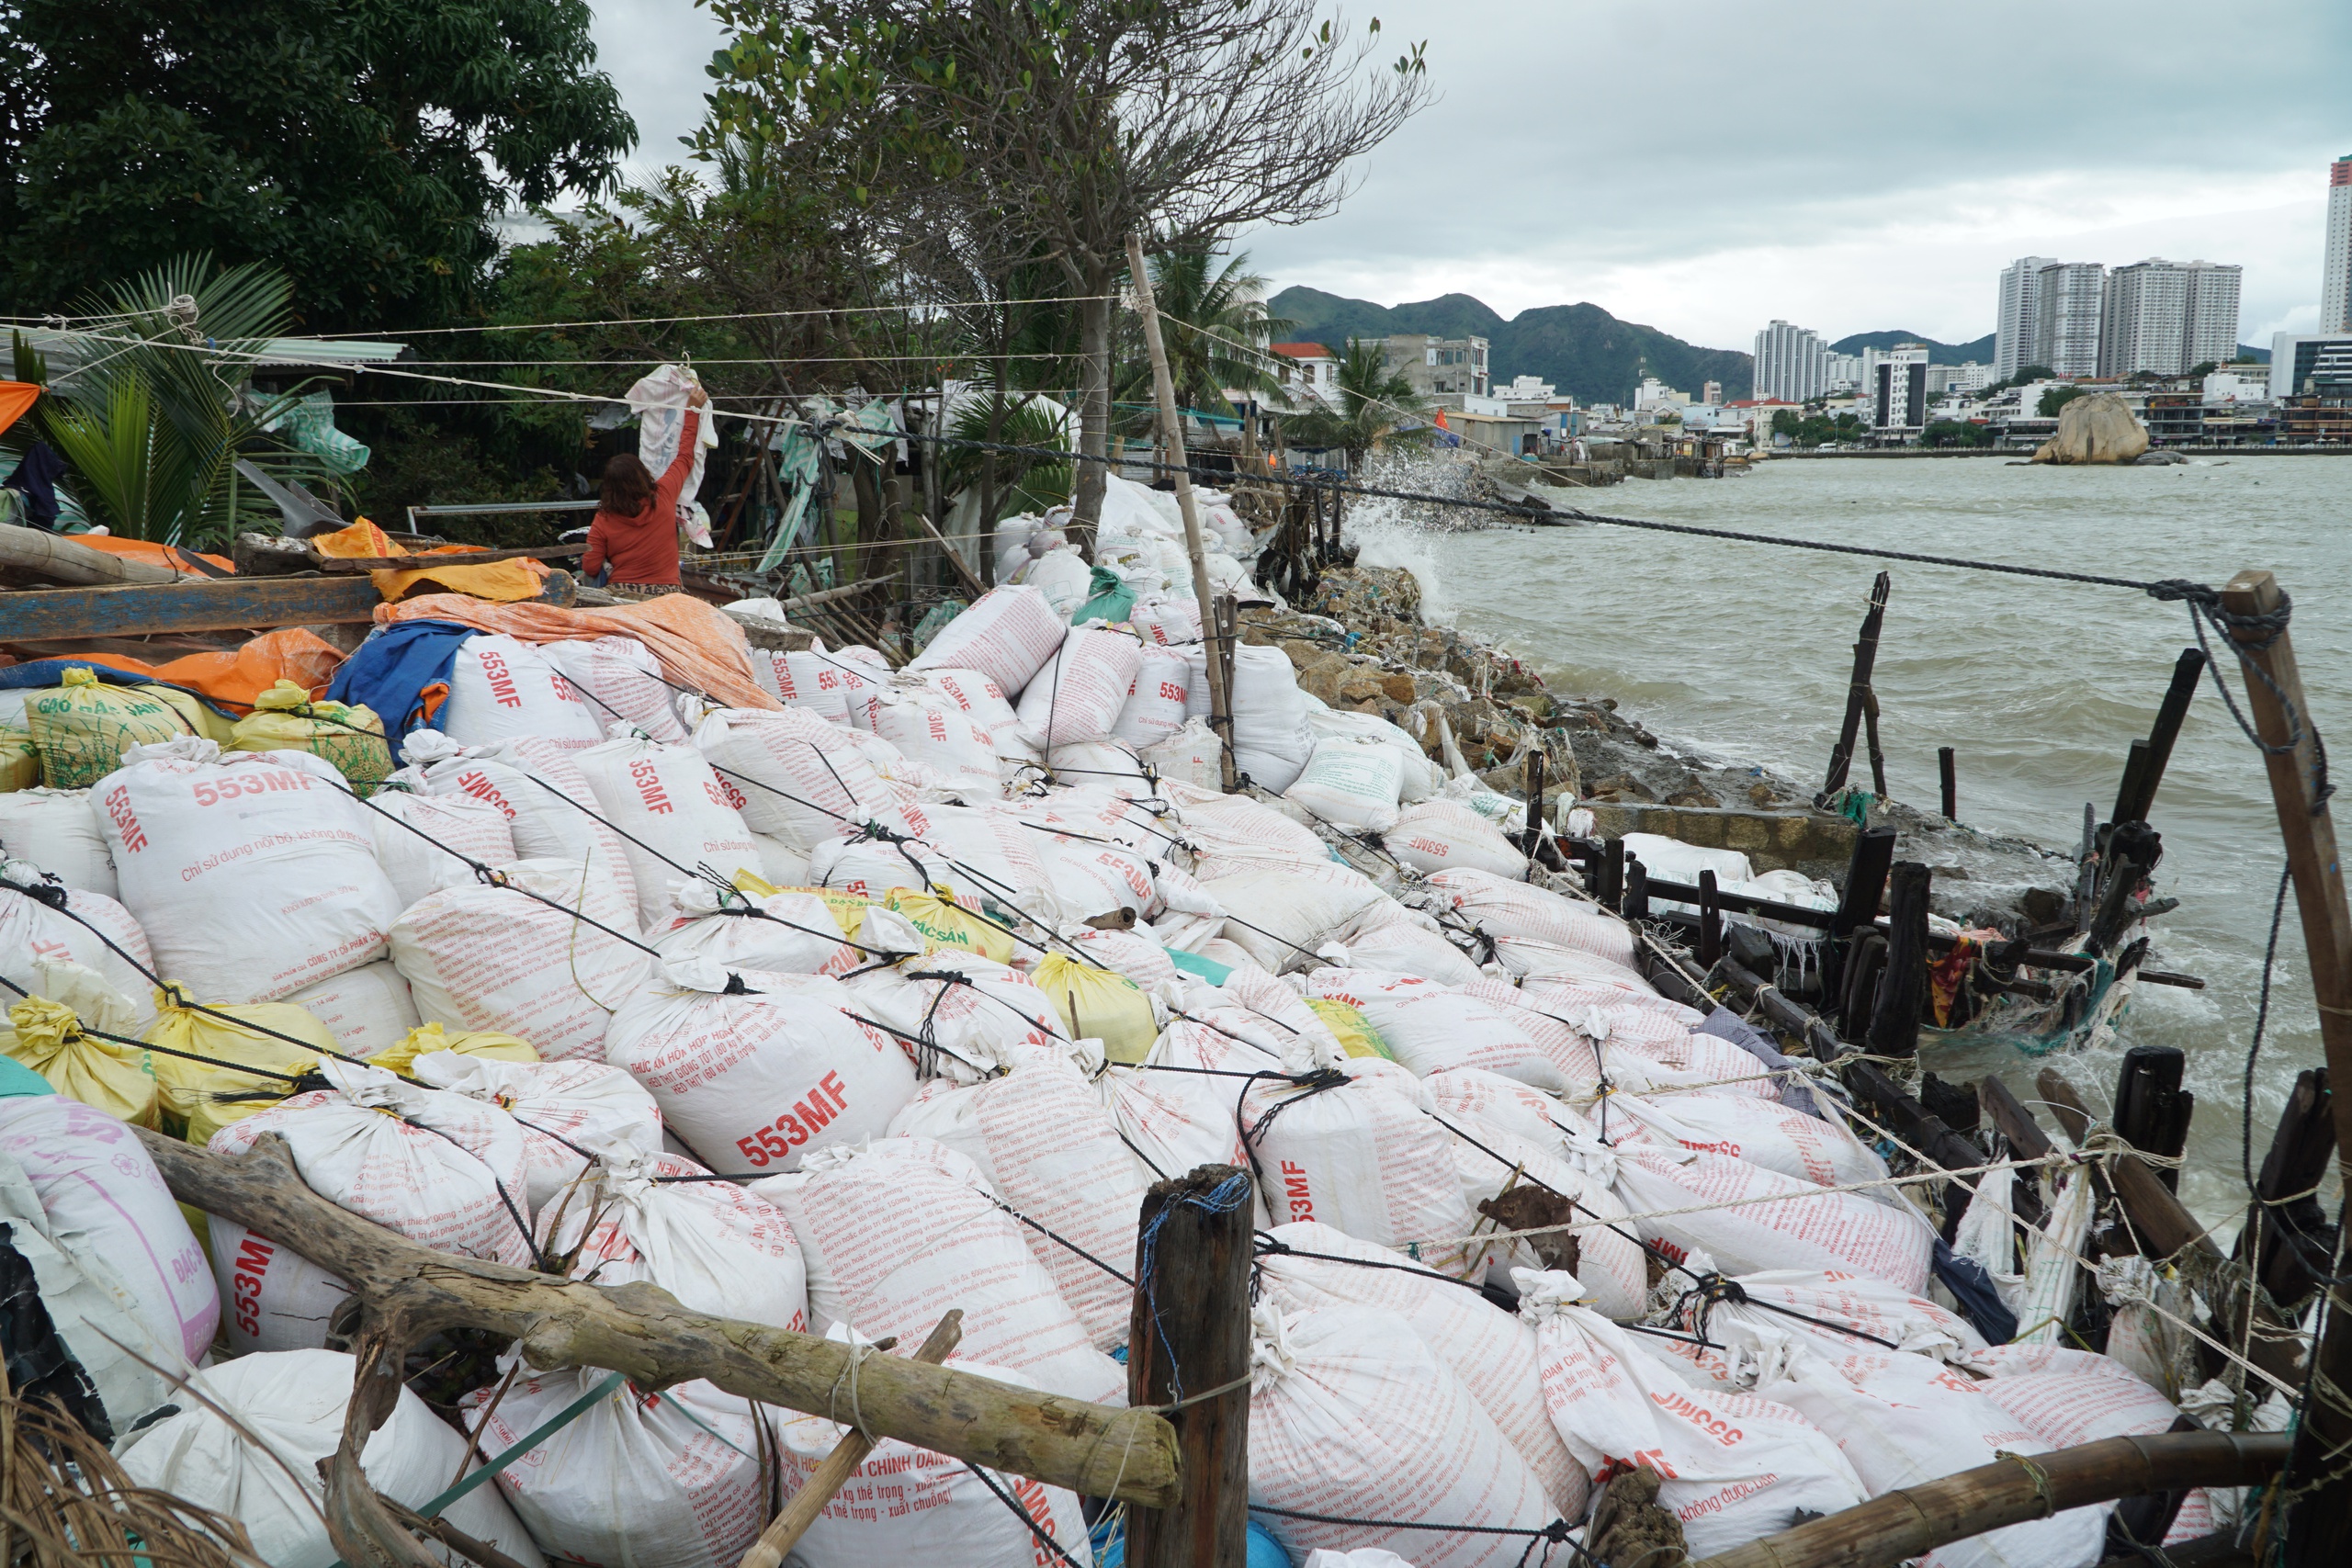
(1899, 401)
(2164, 318)
(1435, 365)
(1308, 374)
(1841, 372)
(2319, 363)
(2018, 317)
(2067, 300)
(2212, 332)
(1790, 363)
(2335, 279)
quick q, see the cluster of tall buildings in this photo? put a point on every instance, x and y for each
(2079, 319)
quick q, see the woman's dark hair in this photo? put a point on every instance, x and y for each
(628, 489)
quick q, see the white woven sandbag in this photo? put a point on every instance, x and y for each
(56, 830)
(1430, 1028)
(1761, 1132)
(904, 1505)
(550, 811)
(802, 779)
(1090, 877)
(93, 1176)
(1731, 1467)
(1007, 634)
(1439, 834)
(2081, 1399)
(1135, 954)
(1361, 1155)
(824, 683)
(423, 841)
(1351, 783)
(272, 1298)
(1785, 1223)
(1271, 739)
(501, 688)
(365, 1008)
(780, 863)
(1404, 948)
(1154, 710)
(1903, 1419)
(1283, 910)
(638, 1215)
(1042, 1138)
(294, 1401)
(897, 1231)
(1240, 824)
(1078, 693)
(1175, 1121)
(547, 957)
(1508, 1105)
(1166, 619)
(252, 874)
(444, 1171)
(1107, 763)
(936, 733)
(1503, 908)
(1671, 860)
(790, 933)
(1191, 756)
(1422, 777)
(1490, 1161)
(753, 1070)
(1065, 580)
(974, 1016)
(87, 929)
(1838, 1308)
(978, 695)
(560, 1108)
(622, 683)
(989, 855)
(672, 1479)
(1353, 1417)
(1309, 1266)
(671, 812)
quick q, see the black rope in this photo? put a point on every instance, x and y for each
(81, 1028)
(2254, 1048)
(2269, 625)
(1021, 1513)
(1605, 1223)
(1059, 1241)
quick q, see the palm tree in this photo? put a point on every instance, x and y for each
(152, 419)
(1214, 324)
(1378, 406)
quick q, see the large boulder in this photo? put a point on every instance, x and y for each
(2097, 428)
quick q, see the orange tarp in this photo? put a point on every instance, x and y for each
(235, 677)
(503, 581)
(149, 552)
(697, 644)
(16, 396)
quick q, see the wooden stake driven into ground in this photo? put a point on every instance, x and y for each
(2319, 1525)
(1858, 692)
(406, 1291)
(1164, 388)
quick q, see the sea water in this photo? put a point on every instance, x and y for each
(1743, 651)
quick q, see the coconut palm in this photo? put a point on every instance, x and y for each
(1214, 324)
(1378, 406)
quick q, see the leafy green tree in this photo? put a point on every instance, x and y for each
(2205, 367)
(1377, 407)
(1954, 433)
(367, 146)
(1214, 326)
(2056, 397)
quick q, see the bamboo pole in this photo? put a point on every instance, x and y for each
(1164, 388)
(1915, 1520)
(2319, 1524)
(408, 1291)
(816, 1493)
(60, 559)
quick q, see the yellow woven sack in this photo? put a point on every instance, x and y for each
(1098, 1004)
(19, 761)
(81, 727)
(189, 1046)
(946, 924)
(425, 1039)
(47, 1036)
(1354, 1032)
(352, 737)
(847, 908)
(201, 719)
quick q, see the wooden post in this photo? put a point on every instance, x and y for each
(1869, 731)
(2151, 1110)
(2297, 1160)
(1190, 1335)
(2319, 1527)
(1950, 782)
(2135, 802)
(786, 1529)
(1637, 890)
(1865, 656)
(2136, 776)
(1612, 876)
(1894, 1020)
(1710, 922)
(1865, 883)
(1164, 389)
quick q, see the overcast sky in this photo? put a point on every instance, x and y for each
(1849, 165)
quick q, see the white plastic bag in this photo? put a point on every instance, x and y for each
(547, 957)
(661, 402)
(252, 874)
(501, 688)
(1351, 783)
(56, 830)
(671, 811)
(755, 1070)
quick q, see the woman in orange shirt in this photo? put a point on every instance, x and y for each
(636, 526)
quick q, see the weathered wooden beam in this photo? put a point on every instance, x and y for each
(1865, 881)
(59, 559)
(1895, 1020)
(2025, 1138)
(2287, 1193)
(1922, 1129)
(208, 606)
(1857, 688)
(1798, 1021)
(1191, 1317)
(411, 1291)
(2152, 1111)
(1914, 1520)
(1948, 772)
(2138, 795)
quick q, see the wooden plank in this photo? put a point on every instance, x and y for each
(2287, 1199)
(2139, 796)
(1948, 768)
(1894, 1022)
(339, 565)
(59, 559)
(2319, 1527)
(205, 606)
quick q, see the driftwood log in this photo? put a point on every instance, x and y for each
(405, 1292)
(1914, 1520)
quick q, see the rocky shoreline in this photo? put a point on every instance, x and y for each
(1358, 643)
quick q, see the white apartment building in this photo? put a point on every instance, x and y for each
(1655, 394)
(1899, 405)
(1790, 363)
(2212, 333)
(1527, 390)
(1440, 363)
(2166, 318)
(2335, 280)
(2068, 299)
(1841, 372)
(2018, 315)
